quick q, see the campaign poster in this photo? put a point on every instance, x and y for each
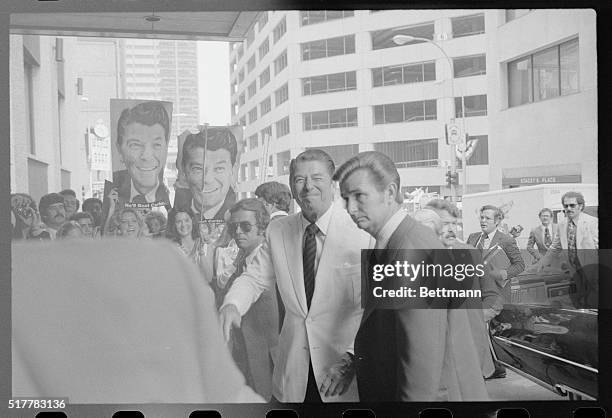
(140, 132)
(206, 181)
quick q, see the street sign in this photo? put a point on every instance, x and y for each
(453, 134)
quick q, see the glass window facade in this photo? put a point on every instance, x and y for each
(405, 112)
(329, 83)
(329, 119)
(403, 74)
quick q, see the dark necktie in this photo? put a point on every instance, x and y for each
(481, 241)
(139, 198)
(308, 257)
(572, 250)
(547, 238)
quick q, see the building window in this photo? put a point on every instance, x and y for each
(241, 76)
(283, 159)
(265, 106)
(234, 109)
(253, 141)
(279, 30)
(234, 88)
(403, 74)
(328, 119)
(414, 153)
(512, 14)
(549, 73)
(468, 25)
(243, 172)
(323, 48)
(266, 134)
(384, 38)
(252, 89)
(250, 37)
(254, 170)
(264, 77)
(233, 66)
(264, 48)
(469, 66)
(243, 121)
(263, 19)
(340, 153)
(280, 62)
(405, 112)
(253, 115)
(310, 17)
(281, 95)
(474, 106)
(329, 83)
(251, 64)
(241, 100)
(28, 82)
(240, 52)
(282, 127)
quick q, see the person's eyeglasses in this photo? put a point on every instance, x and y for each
(245, 227)
(570, 205)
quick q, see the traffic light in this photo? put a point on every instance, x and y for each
(452, 178)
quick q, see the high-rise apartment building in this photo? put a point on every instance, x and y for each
(337, 80)
(164, 70)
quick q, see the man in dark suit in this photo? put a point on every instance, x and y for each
(210, 183)
(503, 261)
(404, 353)
(143, 132)
(542, 236)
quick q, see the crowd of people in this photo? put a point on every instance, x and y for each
(287, 287)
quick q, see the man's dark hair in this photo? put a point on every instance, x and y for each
(218, 138)
(380, 166)
(545, 210)
(576, 195)
(145, 113)
(275, 193)
(87, 203)
(253, 205)
(70, 192)
(498, 215)
(81, 215)
(441, 204)
(312, 154)
(48, 200)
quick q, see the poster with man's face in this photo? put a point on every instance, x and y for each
(207, 179)
(140, 131)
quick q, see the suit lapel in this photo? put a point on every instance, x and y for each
(292, 240)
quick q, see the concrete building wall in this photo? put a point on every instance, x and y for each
(554, 137)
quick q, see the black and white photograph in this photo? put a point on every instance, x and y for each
(215, 207)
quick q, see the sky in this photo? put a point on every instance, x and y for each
(213, 82)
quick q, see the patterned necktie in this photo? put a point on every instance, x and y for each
(481, 241)
(547, 238)
(572, 251)
(308, 257)
(139, 198)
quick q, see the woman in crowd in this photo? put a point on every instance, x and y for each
(183, 232)
(156, 223)
(130, 223)
(69, 230)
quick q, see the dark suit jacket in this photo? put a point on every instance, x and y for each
(183, 199)
(400, 352)
(536, 237)
(497, 291)
(123, 182)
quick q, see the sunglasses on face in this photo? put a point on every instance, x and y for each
(570, 205)
(245, 227)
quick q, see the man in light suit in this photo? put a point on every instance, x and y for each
(315, 258)
(542, 236)
(579, 236)
(406, 353)
(500, 269)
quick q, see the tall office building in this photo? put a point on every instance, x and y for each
(163, 70)
(337, 80)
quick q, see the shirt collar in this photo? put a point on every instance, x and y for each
(278, 213)
(149, 197)
(249, 258)
(384, 235)
(322, 223)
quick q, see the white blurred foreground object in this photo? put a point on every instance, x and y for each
(117, 322)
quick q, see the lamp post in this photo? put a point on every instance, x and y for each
(404, 39)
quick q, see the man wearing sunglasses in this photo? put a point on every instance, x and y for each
(578, 231)
(315, 259)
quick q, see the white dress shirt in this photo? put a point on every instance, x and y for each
(384, 235)
(323, 225)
